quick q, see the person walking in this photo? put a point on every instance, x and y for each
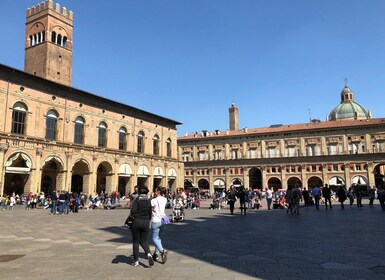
(381, 197)
(327, 194)
(269, 198)
(243, 198)
(158, 211)
(358, 193)
(351, 196)
(142, 211)
(306, 196)
(371, 195)
(231, 198)
(317, 196)
(341, 193)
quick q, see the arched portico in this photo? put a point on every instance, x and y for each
(80, 179)
(17, 173)
(274, 183)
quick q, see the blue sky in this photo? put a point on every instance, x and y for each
(188, 60)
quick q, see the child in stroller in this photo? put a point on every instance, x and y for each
(177, 211)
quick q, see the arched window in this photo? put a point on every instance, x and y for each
(53, 37)
(31, 41)
(51, 125)
(59, 39)
(79, 130)
(155, 145)
(168, 147)
(122, 138)
(64, 42)
(102, 135)
(140, 147)
(19, 115)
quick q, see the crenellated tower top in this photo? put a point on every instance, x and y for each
(48, 42)
(49, 5)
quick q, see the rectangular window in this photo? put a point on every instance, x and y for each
(18, 121)
(50, 129)
(78, 137)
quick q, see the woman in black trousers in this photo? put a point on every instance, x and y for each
(141, 210)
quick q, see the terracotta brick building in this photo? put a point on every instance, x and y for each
(346, 149)
(55, 136)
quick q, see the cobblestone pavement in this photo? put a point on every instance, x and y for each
(210, 244)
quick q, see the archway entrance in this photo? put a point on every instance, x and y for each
(80, 178)
(103, 178)
(335, 182)
(314, 181)
(219, 185)
(14, 183)
(274, 183)
(255, 178)
(77, 184)
(379, 175)
(17, 170)
(293, 181)
(50, 175)
(204, 186)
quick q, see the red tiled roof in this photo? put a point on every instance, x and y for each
(288, 128)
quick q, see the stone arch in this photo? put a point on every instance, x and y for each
(314, 181)
(255, 178)
(103, 177)
(52, 176)
(219, 184)
(17, 173)
(204, 186)
(292, 181)
(80, 181)
(379, 174)
(336, 181)
(274, 183)
(143, 174)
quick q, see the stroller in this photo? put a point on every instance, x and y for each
(177, 212)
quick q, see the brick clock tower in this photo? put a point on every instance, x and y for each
(48, 42)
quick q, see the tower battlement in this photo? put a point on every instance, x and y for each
(49, 5)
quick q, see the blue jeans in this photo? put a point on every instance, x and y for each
(269, 201)
(53, 209)
(156, 227)
(316, 201)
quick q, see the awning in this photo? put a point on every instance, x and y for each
(171, 174)
(158, 172)
(143, 172)
(125, 170)
(219, 183)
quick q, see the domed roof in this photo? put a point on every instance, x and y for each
(348, 108)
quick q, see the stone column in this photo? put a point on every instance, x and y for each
(324, 174)
(227, 176)
(283, 177)
(246, 179)
(36, 178)
(264, 177)
(67, 173)
(304, 176)
(371, 178)
(211, 181)
(348, 182)
(3, 150)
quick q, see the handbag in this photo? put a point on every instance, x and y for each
(129, 220)
(165, 220)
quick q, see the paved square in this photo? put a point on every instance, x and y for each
(211, 244)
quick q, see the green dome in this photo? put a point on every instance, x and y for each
(348, 110)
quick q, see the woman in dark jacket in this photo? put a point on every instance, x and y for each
(341, 193)
(231, 198)
(141, 210)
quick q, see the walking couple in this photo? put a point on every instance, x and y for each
(145, 210)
